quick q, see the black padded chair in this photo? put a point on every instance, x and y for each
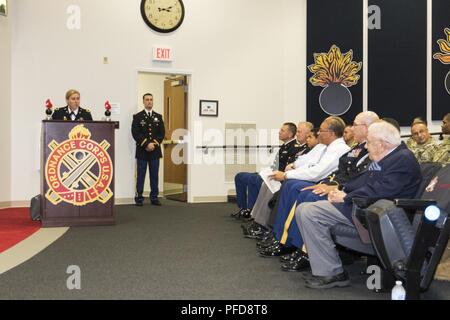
(389, 233)
(411, 250)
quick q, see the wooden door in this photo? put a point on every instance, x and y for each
(175, 115)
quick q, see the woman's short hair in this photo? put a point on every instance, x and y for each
(71, 92)
(385, 132)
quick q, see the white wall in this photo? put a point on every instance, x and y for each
(234, 56)
(251, 59)
(5, 107)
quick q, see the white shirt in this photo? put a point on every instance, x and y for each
(74, 115)
(319, 162)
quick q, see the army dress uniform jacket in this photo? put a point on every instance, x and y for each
(64, 114)
(148, 130)
(287, 154)
(351, 165)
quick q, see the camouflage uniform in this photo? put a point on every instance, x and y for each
(425, 152)
(411, 143)
(442, 154)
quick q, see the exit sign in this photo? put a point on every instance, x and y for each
(162, 53)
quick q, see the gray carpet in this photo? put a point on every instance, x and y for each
(177, 251)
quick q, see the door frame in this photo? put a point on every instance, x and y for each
(190, 76)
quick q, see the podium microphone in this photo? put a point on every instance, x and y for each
(48, 111)
(108, 111)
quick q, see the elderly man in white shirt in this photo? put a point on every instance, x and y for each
(313, 167)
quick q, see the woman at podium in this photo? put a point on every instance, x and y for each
(73, 111)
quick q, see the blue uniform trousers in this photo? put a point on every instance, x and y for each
(285, 228)
(153, 167)
(247, 189)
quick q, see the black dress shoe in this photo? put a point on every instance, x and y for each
(139, 204)
(340, 280)
(252, 233)
(276, 251)
(265, 235)
(246, 214)
(243, 214)
(302, 263)
(292, 257)
(156, 202)
(236, 214)
(267, 244)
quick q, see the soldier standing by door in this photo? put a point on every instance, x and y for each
(148, 132)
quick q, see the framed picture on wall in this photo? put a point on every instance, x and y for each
(3, 8)
(209, 108)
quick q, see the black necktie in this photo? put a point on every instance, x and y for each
(72, 115)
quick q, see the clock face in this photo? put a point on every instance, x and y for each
(162, 15)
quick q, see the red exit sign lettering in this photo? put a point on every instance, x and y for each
(162, 54)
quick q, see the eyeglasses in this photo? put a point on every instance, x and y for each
(320, 131)
(354, 124)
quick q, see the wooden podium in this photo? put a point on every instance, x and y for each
(77, 173)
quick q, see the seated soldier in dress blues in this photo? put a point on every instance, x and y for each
(73, 111)
(248, 184)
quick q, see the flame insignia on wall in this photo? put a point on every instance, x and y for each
(444, 56)
(335, 72)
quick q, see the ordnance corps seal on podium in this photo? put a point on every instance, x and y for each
(79, 170)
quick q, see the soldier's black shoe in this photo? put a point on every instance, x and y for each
(156, 202)
(236, 214)
(340, 280)
(246, 214)
(139, 204)
(276, 251)
(267, 243)
(243, 214)
(292, 257)
(252, 233)
(265, 236)
(300, 264)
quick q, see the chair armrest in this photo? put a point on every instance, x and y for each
(414, 204)
(362, 203)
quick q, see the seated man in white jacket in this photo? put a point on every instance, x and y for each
(313, 167)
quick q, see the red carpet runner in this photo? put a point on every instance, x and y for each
(15, 226)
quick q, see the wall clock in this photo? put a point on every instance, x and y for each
(163, 15)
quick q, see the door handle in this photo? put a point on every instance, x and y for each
(168, 113)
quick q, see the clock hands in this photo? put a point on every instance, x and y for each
(165, 9)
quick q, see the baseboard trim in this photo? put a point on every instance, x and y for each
(117, 201)
(14, 204)
(213, 199)
(123, 201)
